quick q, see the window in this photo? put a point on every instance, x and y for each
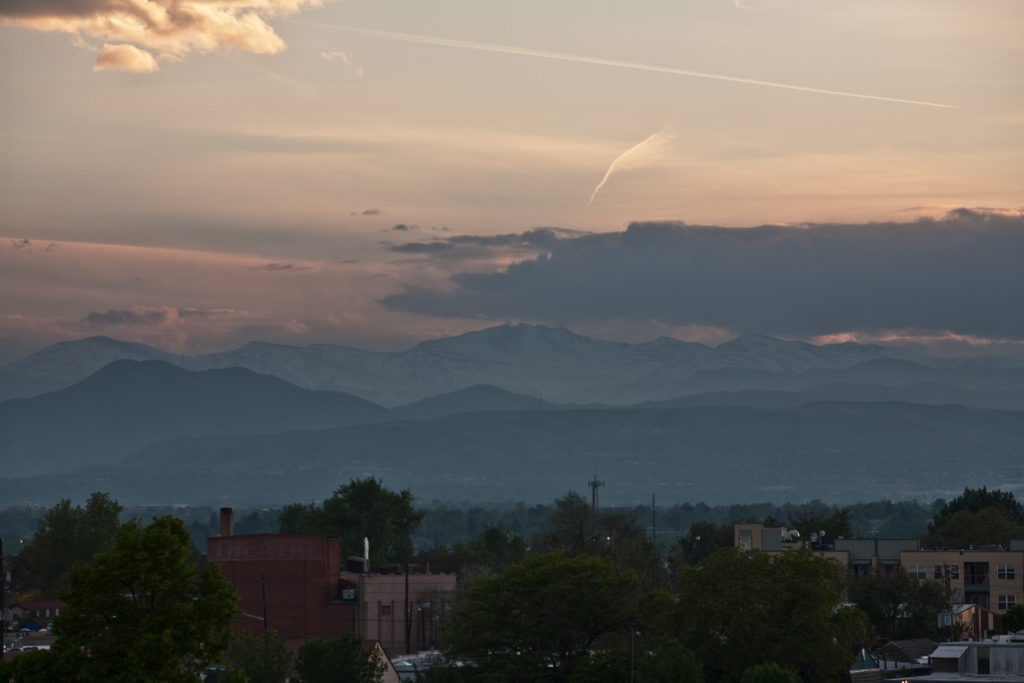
(954, 572)
(918, 571)
(746, 539)
(1005, 572)
(385, 610)
(938, 572)
(1007, 601)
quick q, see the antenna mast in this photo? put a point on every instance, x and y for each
(594, 485)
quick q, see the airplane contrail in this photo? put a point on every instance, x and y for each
(565, 57)
(638, 153)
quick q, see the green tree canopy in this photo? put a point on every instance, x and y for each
(768, 673)
(573, 530)
(816, 519)
(494, 549)
(977, 517)
(976, 500)
(142, 612)
(537, 618)
(1013, 619)
(701, 540)
(992, 525)
(345, 659)
(572, 527)
(361, 508)
(739, 609)
(67, 535)
(898, 607)
(262, 658)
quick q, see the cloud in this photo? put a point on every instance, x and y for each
(538, 238)
(372, 212)
(172, 29)
(274, 267)
(23, 243)
(336, 56)
(125, 58)
(339, 56)
(599, 61)
(146, 317)
(960, 274)
(637, 156)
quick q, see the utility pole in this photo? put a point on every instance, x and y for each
(654, 520)
(266, 625)
(594, 484)
(3, 601)
(408, 614)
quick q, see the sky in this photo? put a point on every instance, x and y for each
(196, 174)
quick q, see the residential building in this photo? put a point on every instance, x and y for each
(42, 611)
(992, 578)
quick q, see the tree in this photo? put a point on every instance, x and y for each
(262, 658)
(703, 539)
(976, 500)
(494, 549)
(363, 508)
(768, 673)
(740, 608)
(815, 520)
(573, 530)
(614, 664)
(898, 607)
(140, 611)
(976, 517)
(1013, 619)
(536, 619)
(67, 535)
(964, 528)
(345, 659)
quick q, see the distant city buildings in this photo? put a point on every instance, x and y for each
(991, 577)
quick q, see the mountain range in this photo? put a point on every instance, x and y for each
(548, 363)
(512, 412)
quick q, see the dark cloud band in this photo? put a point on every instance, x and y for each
(961, 274)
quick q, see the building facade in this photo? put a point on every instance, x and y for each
(295, 584)
(993, 579)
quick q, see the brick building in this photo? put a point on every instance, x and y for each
(297, 584)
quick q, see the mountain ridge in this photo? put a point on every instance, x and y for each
(551, 363)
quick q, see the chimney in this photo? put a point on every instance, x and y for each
(227, 522)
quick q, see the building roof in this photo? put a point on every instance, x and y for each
(910, 650)
(863, 661)
(954, 651)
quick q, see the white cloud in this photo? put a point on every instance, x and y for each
(170, 29)
(124, 58)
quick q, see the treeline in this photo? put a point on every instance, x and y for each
(587, 597)
(446, 524)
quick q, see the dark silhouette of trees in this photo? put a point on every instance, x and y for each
(537, 619)
(262, 658)
(739, 609)
(898, 607)
(361, 508)
(345, 659)
(67, 535)
(139, 611)
(977, 517)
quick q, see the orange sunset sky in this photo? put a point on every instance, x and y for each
(195, 174)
